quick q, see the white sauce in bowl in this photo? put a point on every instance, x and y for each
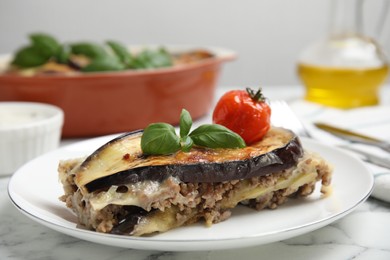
(21, 114)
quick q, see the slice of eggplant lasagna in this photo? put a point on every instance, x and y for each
(119, 190)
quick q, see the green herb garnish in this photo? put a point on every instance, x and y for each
(216, 136)
(63, 54)
(91, 50)
(161, 138)
(28, 57)
(41, 49)
(104, 63)
(121, 52)
(46, 44)
(185, 123)
(113, 56)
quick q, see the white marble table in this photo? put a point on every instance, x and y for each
(362, 234)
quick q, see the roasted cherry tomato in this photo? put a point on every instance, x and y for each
(244, 112)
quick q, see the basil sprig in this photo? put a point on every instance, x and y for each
(161, 138)
(112, 56)
(41, 49)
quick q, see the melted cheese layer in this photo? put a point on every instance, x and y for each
(141, 194)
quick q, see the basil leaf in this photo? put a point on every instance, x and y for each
(135, 64)
(185, 123)
(120, 51)
(148, 59)
(42, 48)
(143, 60)
(216, 136)
(104, 64)
(160, 139)
(90, 50)
(186, 143)
(29, 57)
(45, 44)
(63, 54)
(161, 58)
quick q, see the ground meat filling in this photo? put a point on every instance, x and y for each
(191, 202)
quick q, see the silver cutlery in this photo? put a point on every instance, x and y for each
(353, 136)
(283, 116)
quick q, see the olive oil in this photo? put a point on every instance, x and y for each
(342, 87)
(346, 68)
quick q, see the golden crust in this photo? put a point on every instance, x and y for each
(125, 153)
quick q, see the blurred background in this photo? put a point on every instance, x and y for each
(267, 35)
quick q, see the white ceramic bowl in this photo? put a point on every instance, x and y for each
(27, 130)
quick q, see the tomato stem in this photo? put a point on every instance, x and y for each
(256, 96)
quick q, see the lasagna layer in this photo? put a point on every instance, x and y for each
(150, 206)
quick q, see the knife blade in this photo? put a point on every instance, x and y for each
(353, 136)
(368, 157)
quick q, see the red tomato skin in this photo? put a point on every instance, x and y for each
(249, 118)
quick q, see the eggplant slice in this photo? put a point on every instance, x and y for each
(121, 161)
(119, 190)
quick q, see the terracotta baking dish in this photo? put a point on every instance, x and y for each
(103, 103)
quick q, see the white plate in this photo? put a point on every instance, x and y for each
(34, 189)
